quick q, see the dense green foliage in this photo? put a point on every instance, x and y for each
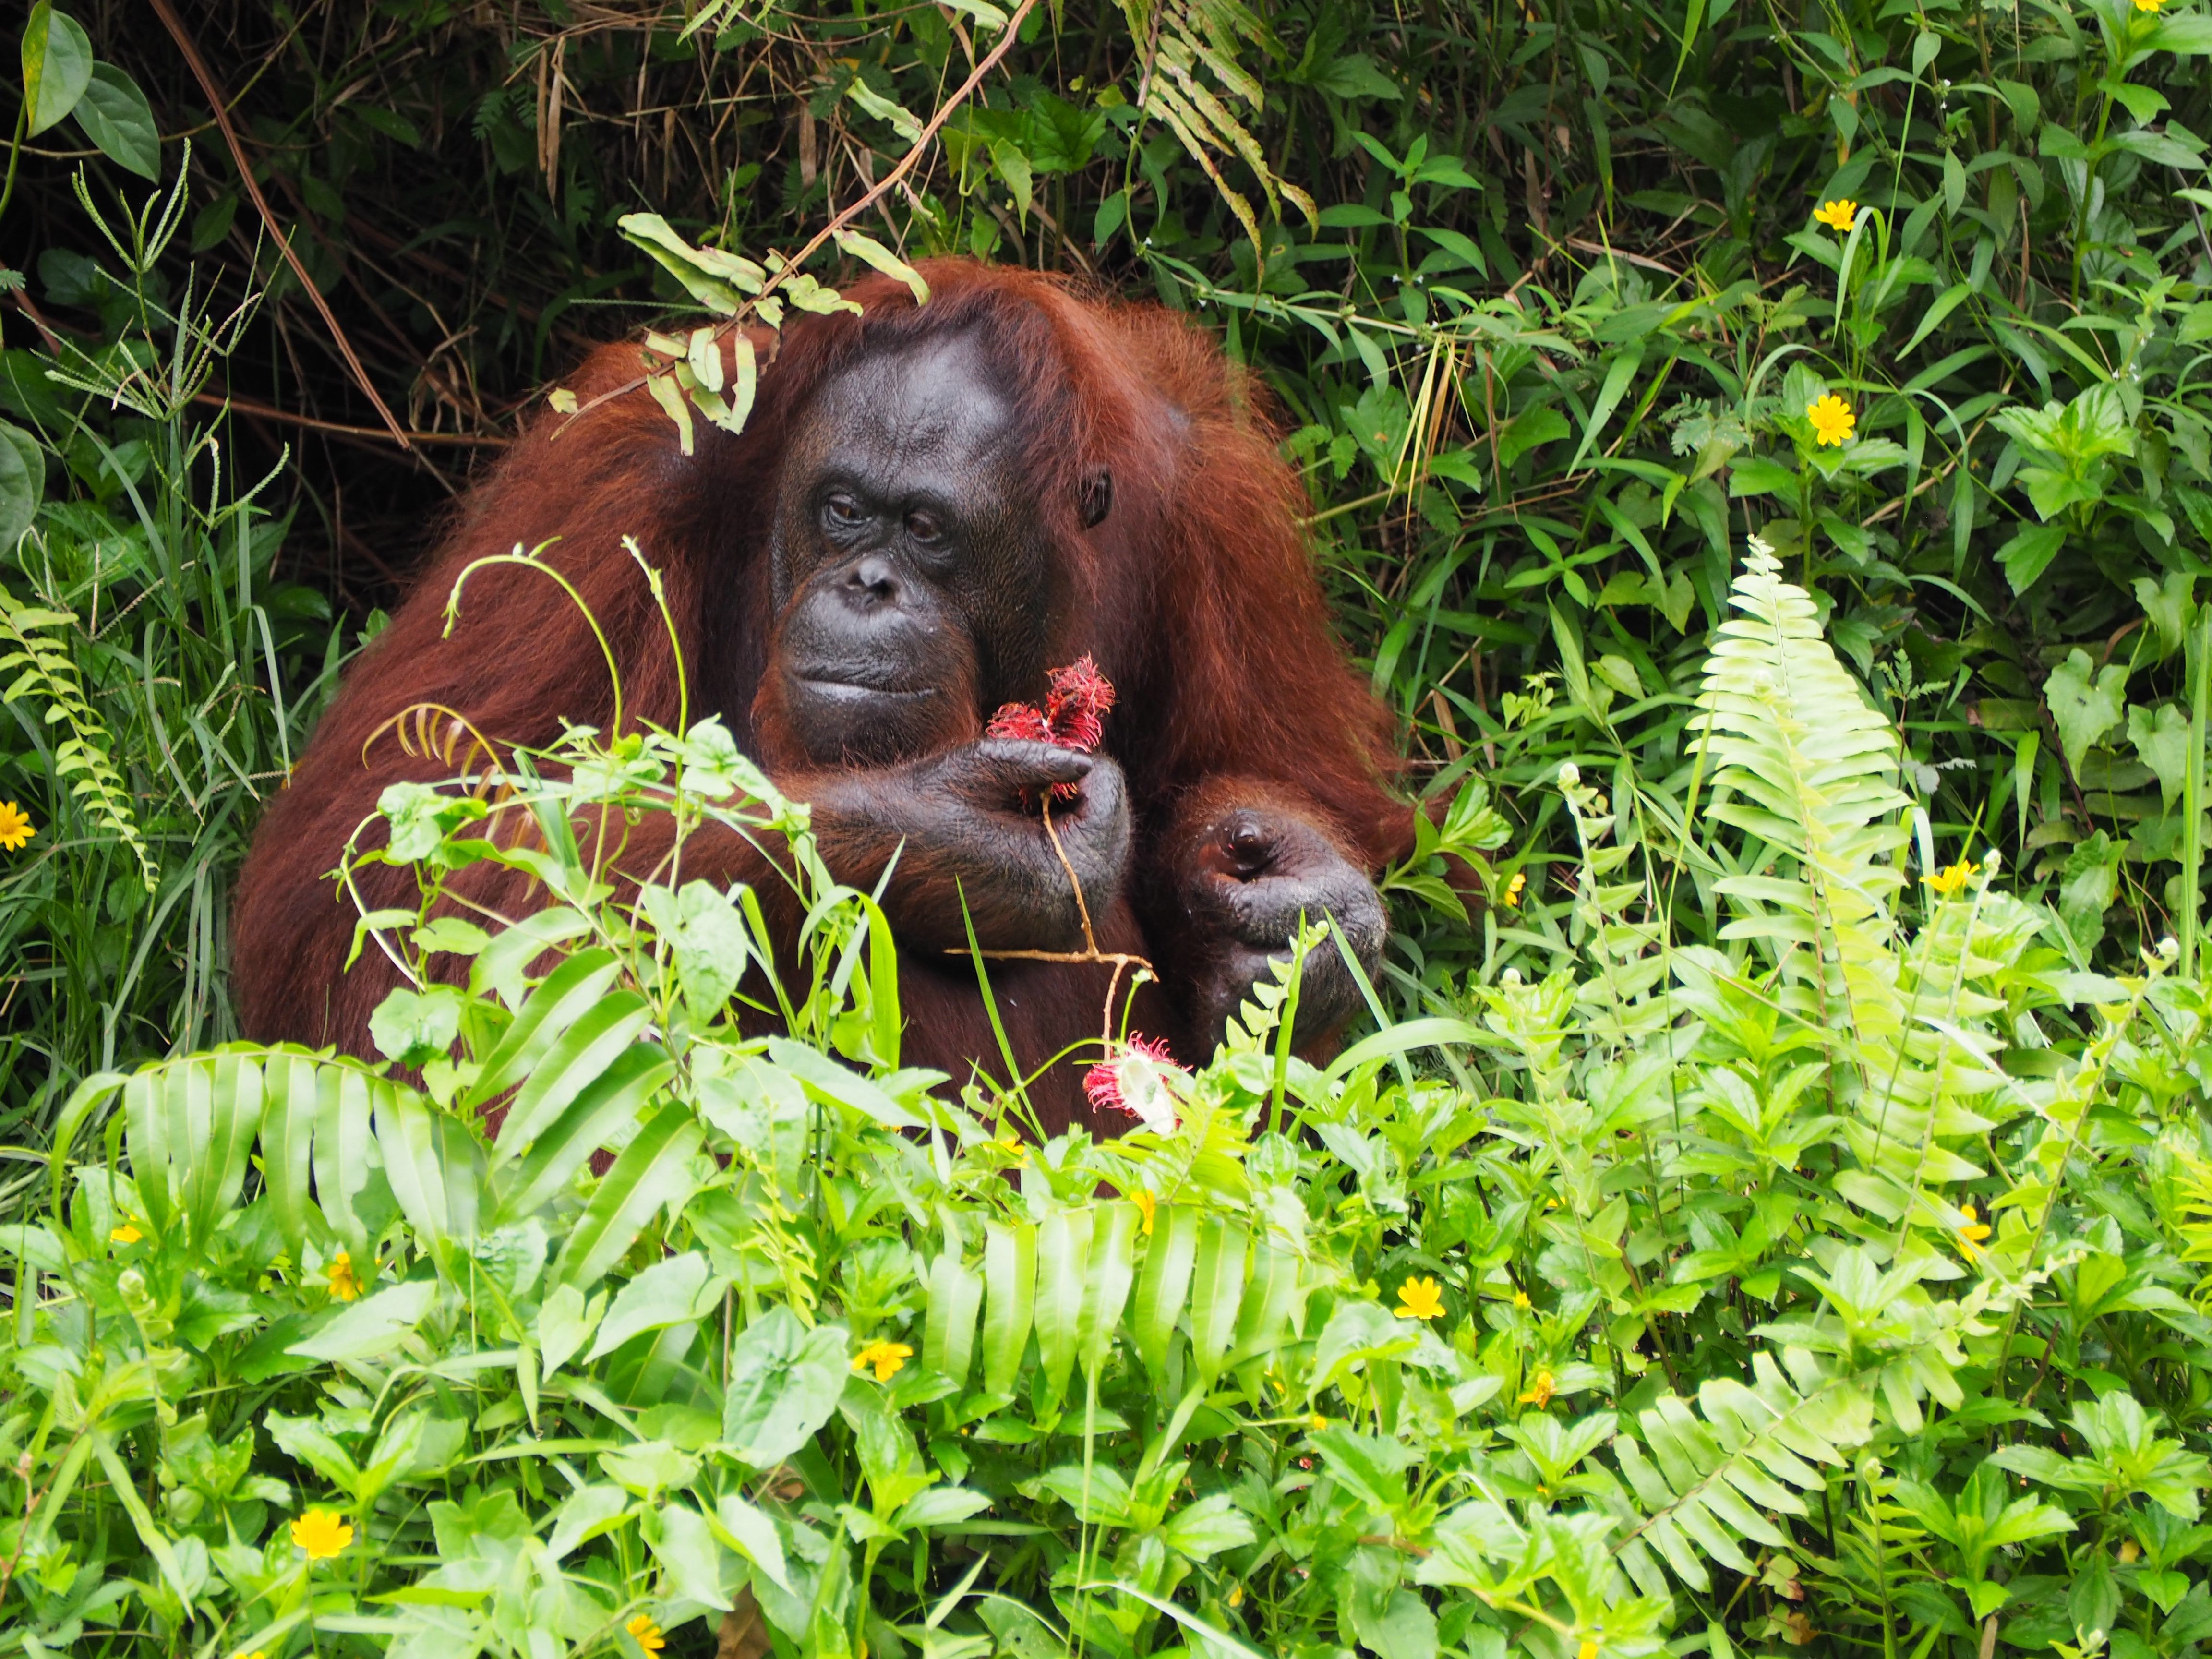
(1816, 1215)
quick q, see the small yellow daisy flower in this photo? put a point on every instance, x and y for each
(321, 1534)
(1542, 1387)
(1317, 1422)
(645, 1634)
(15, 825)
(1975, 1229)
(1420, 1298)
(127, 1234)
(2148, 5)
(1236, 1596)
(1588, 1650)
(1841, 215)
(257, 1653)
(1011, 1145)
(1949, 881)
(1520, 1299)
(888, 1357)
(1831, 419)
(345, 1284)
(1513, 889)
(1147, 1206)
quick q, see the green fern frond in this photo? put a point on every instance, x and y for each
(1705, 1485)
(42, 664)
(1806, 766)
(1184, 40)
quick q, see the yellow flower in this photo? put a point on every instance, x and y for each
(1831, 419)
(1236, 1596)
(1838, 216)
(2148, 5)
(1013, 1146)
(321, 1534)
(1420, 1298)
(2130, 1552)
(1317, 1422)
(1520, 1299)
(1588, 1650)
(888, 1357)
(1947, 882)
(1147, 1204)
(15, 825)
(645, 1634)
(127, 1234)
(1513, 889)
(1976, 1230)
(257, 1653)
(1540, 1390)
(345, 1284)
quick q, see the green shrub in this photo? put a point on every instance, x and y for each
(1822, 1285)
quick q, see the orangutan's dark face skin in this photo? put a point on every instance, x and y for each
(912, 577)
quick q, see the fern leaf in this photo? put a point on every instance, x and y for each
(1703, 1484)
(42, 664)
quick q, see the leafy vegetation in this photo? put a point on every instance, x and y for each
(1764, 457)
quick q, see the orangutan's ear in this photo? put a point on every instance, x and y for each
(1094, 498)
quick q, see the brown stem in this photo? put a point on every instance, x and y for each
(214, 93)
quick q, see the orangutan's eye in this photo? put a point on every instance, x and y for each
(842, 511)
(924, 526)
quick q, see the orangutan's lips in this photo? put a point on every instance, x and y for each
(853, 691)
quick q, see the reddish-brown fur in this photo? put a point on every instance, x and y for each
(1195, 596)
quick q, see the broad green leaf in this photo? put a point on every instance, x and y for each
(869, 249)
(653, 1170)
(1010, 1303)
(752, 1533)
(565, 1323)
(2162, 738)
(574, 1061)
(1217, 1292)
(372, 1326)
(116, 116)
(671, 1291)
(955, 1292)
(1106, 1285)
(681, 1541)
(567, 992)
(434, 1162)
(587, 1512)
(613, 1101)
(1063, 1257)
(2083, 709)
(1204, 1528)
(289, 1085)
(784, 1383)
(22, 483)
(57, 66)
(343, 1149)
(1164, 1284)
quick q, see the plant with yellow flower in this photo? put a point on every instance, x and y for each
(888, 1357)
(125, 1234)
(647, 1634)
(1949, 881)
(1838, 216)
(321, 1534)
(15, 825)
(344, 1283)
(1146, 1207)
(1512, 898)
(1971, 1229)
(1420, 1298)
(1542, 1387)
(1831, 419)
